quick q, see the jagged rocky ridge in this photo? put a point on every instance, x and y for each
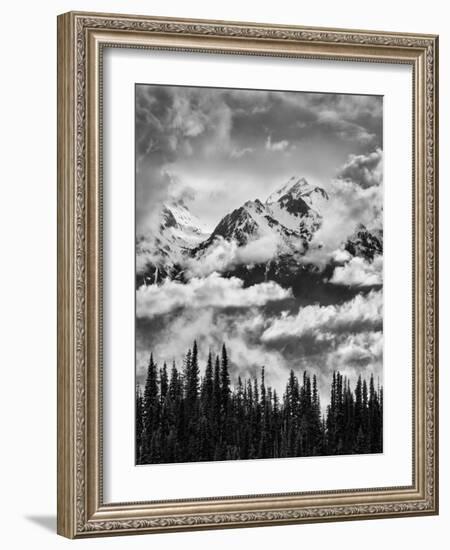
(289, 217)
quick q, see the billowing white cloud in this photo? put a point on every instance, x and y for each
(341, 256)
(365, 170)
(174, 124)
(281, 145)
(223, 255)
(211, 291)
(324, 322)
(347, 338)
(211, 328)
(358, 349)
(359, 272)
(357, 354)
(353, 202)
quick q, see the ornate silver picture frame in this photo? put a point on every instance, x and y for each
(83, 511)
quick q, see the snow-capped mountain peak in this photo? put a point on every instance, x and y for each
(293, 186)
(277, 231)
(299, 188)
(182, 223)
(286, 215)
(179, 231)
(239, 225)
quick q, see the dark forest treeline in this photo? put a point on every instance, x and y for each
(182, 417)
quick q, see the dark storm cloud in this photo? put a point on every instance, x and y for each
(152, 108)
(209, 139)
(297, 116)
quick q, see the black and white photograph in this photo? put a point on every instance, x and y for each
(259, 274)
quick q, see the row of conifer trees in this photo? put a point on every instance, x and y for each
(183, 417)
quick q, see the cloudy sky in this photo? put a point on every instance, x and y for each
(217, 149)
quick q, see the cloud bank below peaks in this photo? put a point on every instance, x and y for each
(360, 314)
(359, 272)
(212, 291)
(223, 255)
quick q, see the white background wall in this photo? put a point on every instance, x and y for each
(28, 271)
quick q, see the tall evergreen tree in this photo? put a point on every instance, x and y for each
(224, 381)
(164, 383)
(150, 411)
(182, 418)
(139, 424)
(175, 384)
(192, 376)
(217, 391)
(207, 393)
